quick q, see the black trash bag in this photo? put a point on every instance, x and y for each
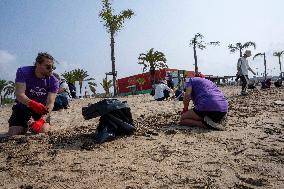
(116, 119)
(102, 107)
(251, 86)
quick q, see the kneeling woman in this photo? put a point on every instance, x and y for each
(210, 105)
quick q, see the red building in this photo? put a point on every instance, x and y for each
(130, 85)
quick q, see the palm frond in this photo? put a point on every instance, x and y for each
(113, 23)
(249, 44)
(258, 54)
(214, 43)
(279, 54)
(233, 48)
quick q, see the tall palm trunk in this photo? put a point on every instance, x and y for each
(280, 64)
(152, 75)
(113, 63)
(265, 74)
(195, 59)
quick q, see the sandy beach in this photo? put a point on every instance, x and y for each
(161, 154)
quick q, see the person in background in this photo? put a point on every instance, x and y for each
(242, 71)
(266, 83)
(63, 96)
(162, 91)
(36, 89)
(170, 81)
(210, 105)
(278, 83)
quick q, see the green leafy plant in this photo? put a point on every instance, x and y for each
(93, 86)
(9, 88)
(3, 83)
(106, 86)
(152, 60)
(141, 82)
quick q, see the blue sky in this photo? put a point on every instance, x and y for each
(72, 32)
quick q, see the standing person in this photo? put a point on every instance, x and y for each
(242, 70)
(210, 105)
(36, 89)
(162, 91)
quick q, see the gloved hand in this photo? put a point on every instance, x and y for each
(183, 111)
(37, 126)
(38, 107)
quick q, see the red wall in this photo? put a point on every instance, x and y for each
(123, 83)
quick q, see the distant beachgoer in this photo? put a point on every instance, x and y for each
(266, 84)
(63, 96)
(210, 105)
(242, 71)
(179, 94)
(36, 89)
(162, 91)
(278, 83)
(170, 81)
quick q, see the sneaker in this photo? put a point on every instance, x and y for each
(244, 93)
(217, 126)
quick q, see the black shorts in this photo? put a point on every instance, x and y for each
(160, 99)
(215, 116)
(21, 115)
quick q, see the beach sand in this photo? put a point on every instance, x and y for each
(161, 154)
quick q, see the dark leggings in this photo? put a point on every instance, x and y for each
(244, 80)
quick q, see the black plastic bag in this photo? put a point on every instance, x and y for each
(116, 119)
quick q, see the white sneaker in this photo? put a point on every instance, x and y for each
(244, 93)
(218, 126)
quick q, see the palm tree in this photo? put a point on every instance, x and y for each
(155, 60)
(69, 76)
(197, 42)
(240, 47)
(279, 54)
(9, 88)
(264, 60)
(3, 83)
(76, 75)
(92, 86)
(106, 86)
(141, 82)
(113, 24)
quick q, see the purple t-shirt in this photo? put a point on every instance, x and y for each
(37, 89)
(206, 96)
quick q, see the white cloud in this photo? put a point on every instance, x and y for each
(8, 64)
(65, 66)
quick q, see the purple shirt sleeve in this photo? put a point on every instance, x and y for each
(54, 86)
(20, 76)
